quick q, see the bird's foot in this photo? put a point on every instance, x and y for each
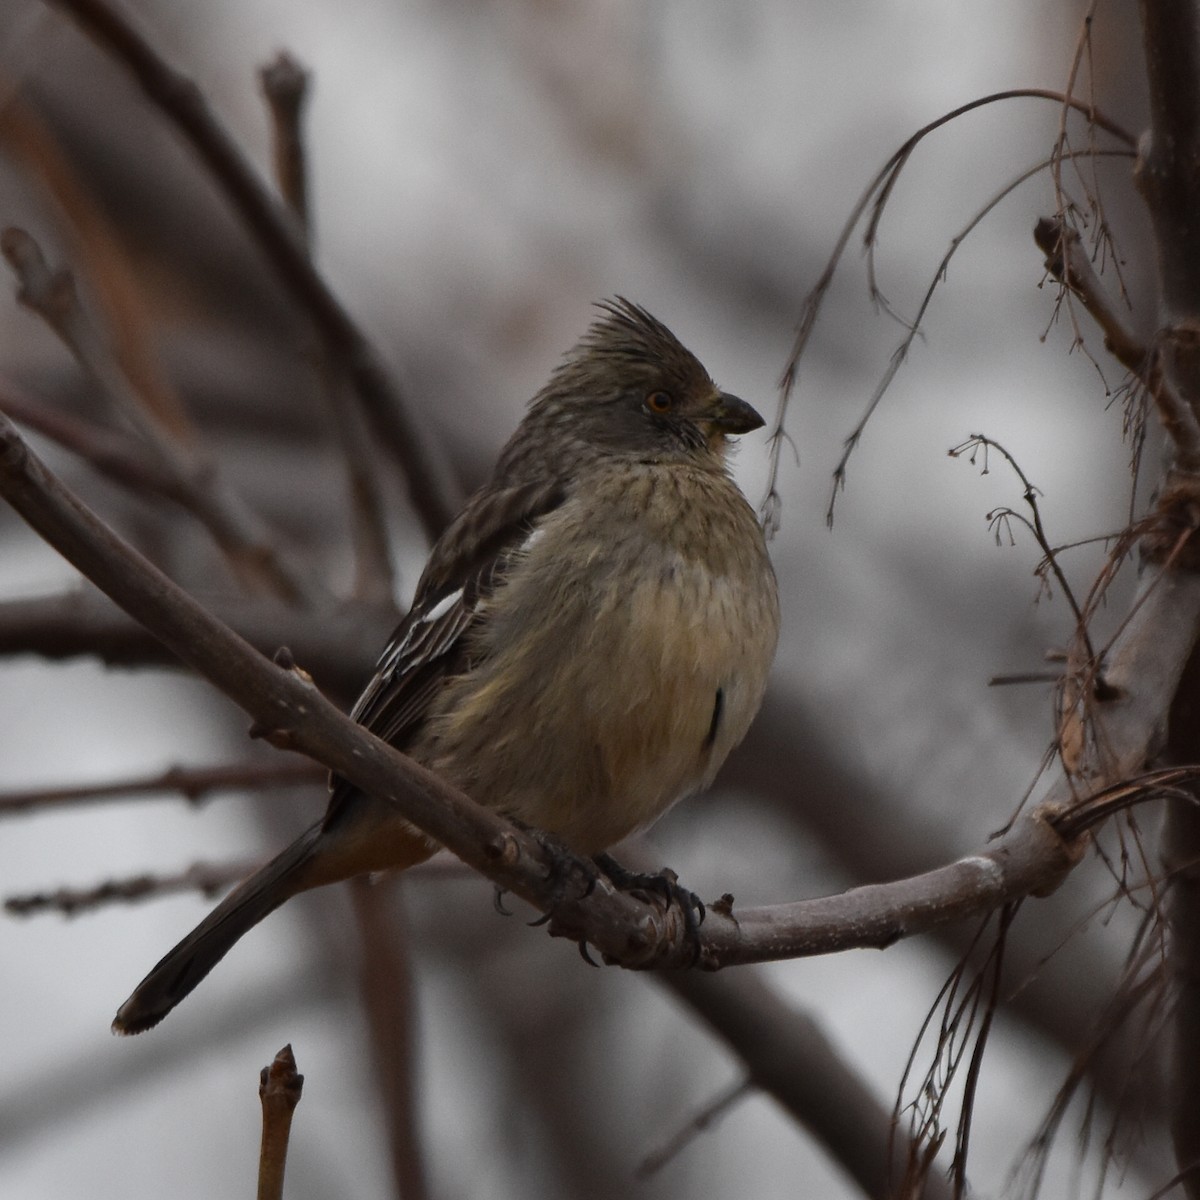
(662, 885)
(570, 876)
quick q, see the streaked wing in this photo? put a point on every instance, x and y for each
(466, 564)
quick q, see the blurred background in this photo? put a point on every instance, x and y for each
(481, 173)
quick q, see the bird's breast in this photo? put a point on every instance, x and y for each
(620, 661)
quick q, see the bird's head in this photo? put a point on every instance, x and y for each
(630, 387)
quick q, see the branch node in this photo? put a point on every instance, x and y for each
(503, 848)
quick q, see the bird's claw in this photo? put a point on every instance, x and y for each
(663, 886)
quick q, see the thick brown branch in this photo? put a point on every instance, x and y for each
(1031, 858)
(1168, 174)
(292, 713)
(1169, 177)
(434, 492)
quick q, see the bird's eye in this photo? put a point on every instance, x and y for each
(659, 402)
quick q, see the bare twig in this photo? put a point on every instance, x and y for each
(1029, 857)
(197, 483)
(209, 878)
(385, 983)
(279, 1089)
(435, 494)
(702, 1119)
(875, 197)
(789, 1056)
(978, 441)
(339, 647)
(1068, 263)
(285, 85)
(194, 784)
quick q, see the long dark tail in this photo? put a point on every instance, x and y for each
(188, 963)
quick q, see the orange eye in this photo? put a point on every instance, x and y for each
(659, 402)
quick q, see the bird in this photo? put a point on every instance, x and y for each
(589, 639)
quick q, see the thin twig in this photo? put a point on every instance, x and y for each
(210, 879)
(386, 989)
(194, 784)
(1030, 495)
(285, 85)
(294, 714)
(239, 532)
(1068, 263)
(698, 1121)
(434, 491)
(875, 196)
(339, 646)
(279, 1088)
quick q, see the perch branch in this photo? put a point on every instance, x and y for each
(1029, 858)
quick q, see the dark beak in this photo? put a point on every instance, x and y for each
(731, 415)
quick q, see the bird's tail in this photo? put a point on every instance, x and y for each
(182, 968)
(354, 839)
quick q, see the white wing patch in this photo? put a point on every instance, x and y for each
(441, 608)
(532, 540)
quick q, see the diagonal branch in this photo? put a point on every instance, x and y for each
(434, 491)
(1030, 858)
(196, 481)
(1068, 263)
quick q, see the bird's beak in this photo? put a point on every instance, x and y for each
(731, 415)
